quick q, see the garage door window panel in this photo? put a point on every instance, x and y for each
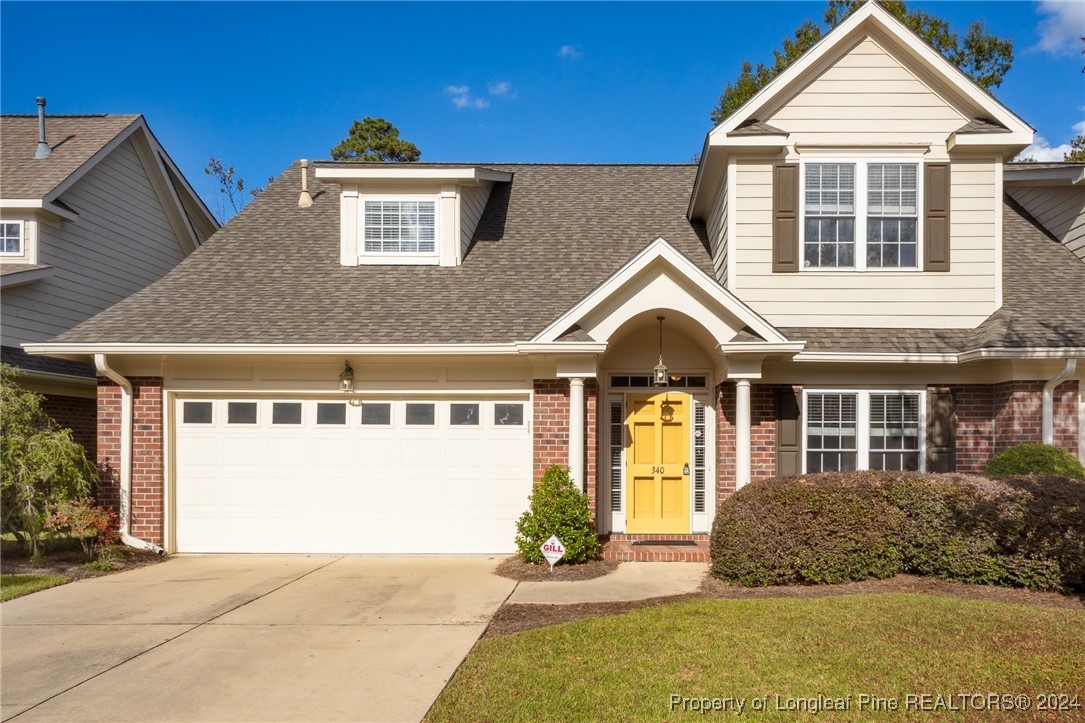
(286, 413)
(421, 414)
(198, 413)
(463, 415)
(377, 414)
(241, 413)
(331, 414)
(509, 415)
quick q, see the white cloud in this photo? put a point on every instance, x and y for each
(1043, 152)
(500, 88)
(1064, 24)
(569, 51)
(1079, 128)
(462, 98)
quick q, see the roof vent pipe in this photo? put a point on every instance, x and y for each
(44, 151)
(305, 200)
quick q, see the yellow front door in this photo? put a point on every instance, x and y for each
(657, 463)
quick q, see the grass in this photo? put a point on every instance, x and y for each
(13, 586)
(626, 667)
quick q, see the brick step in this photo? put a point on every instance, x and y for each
(620, 547)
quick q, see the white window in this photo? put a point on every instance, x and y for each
(849, 430)
(400, 226)
(11, 238)
(861, 215)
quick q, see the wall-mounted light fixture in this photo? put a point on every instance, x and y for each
(659, 374)
(346, 379)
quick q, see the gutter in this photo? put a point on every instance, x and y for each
(1048, 424)
(126, 457)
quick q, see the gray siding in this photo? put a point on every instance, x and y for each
(1060, 210)
(121, 242)
(472, 204)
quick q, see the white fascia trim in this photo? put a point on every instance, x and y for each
(660, 249)
(1023, 353)
(402, 172)
(775, 140)
(1017, 176)
(886, 21)
(876, 357)
(37, 204)
(762, 347)
(63, 349)
(985, 141)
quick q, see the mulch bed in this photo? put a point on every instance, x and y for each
(516, 569)
(512, 618)
(70, 563)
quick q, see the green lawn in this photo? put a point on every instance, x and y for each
(13, 586)
(626, 667)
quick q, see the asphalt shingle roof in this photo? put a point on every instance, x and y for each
(73, 138)
(13, 356)
(545, 241)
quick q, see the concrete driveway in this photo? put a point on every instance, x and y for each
(247, 638)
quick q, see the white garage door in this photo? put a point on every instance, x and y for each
(291, 475)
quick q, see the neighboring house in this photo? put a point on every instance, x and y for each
(387, 365)
(89, 215)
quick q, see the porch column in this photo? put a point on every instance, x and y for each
(576, 431)
(742, 432)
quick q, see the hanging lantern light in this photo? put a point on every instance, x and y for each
(660, 374)
(346, 379)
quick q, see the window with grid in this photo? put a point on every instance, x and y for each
(699, 459)
(617, 444)
(400, 226)
(11, 237)
(831, 432)
(829, 233)
(892, 215)
(894, 431)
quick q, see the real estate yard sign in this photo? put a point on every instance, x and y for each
(553, 550)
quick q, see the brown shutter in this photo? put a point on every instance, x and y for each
(785, 218)
(936, 217)
(788, 432)
(941, 430)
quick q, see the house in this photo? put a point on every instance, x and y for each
(92, 209)
(382, 358)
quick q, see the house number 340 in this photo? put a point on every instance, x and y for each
(657, 470)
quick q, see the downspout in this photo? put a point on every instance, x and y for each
(1048, 424)
(126, 457)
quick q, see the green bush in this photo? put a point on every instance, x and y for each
(1036, 459)
(557, 507)
(831, 528)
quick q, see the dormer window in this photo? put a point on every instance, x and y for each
(399, 226)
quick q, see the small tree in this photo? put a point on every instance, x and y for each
(95, 527)
(1076, 153)
(375, 140)
(40, 464)
(232, 195)
(557, 507)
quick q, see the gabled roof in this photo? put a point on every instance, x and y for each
(545, 239)
(75, 139)
(78, 143)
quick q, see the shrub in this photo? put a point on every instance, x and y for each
(1036, 459)
(557, 507)
(829, 528)
(40, 465)
(95, 527)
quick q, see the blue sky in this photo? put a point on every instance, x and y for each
(261, 84)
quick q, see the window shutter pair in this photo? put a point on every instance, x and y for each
(786, 187)
(941, 431)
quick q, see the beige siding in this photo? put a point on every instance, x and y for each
(472, 204)
(121, 242)
(717, 233)
(1060, 210)
(867, 97)
(961, 298)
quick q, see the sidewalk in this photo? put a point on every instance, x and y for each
(631, 581)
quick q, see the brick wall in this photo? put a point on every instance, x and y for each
(79, 414)
(762, 435)
(551, 429)
(147, 472)
(994, 417)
